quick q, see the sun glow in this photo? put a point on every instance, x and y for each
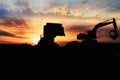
(35, 40)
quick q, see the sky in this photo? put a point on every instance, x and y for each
(22, 21)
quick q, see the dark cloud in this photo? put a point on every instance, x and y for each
(21, 4)
(4, 12)
(109, 6)
(100, 6)
(21, 9)
(8, 34)
(114, 9)
(5, 33)
(84, 3)
(28, 11)
(53, 4)
(78, 28)
(18, 26)
(113, 6)
(15, 22)
(25, 7)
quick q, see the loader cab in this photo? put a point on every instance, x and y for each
(51, 30)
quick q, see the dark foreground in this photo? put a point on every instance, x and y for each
(72, 50)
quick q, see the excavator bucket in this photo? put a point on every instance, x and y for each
(114, 33)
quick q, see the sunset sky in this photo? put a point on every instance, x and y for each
(22, 21)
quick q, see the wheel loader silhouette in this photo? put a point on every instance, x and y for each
(51, 30)
(90, 37)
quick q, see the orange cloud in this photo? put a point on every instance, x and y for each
(19, 30)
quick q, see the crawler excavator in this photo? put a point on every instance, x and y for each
(90, 37)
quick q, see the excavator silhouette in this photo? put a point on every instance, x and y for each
(90, 37)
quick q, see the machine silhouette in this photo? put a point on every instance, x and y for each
(51, 30)
(90, 37)
(90, 46)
